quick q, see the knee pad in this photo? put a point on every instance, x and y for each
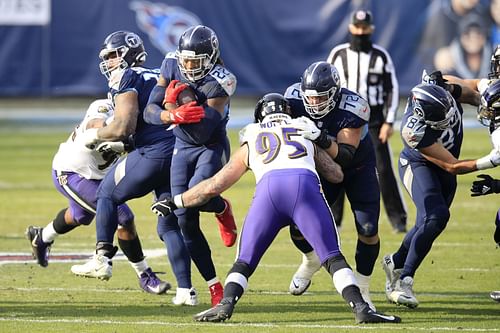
(367, 229)
(438, 218)
(125, 216)
(189, 221)
(336, 263)
(241, 268)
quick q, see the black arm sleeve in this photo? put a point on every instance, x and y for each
(345, 154)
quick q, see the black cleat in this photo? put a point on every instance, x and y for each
(218, 313)
(39, 249)
(365, 315)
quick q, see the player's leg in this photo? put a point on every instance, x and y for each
(210, 161)
(315, 220)
(363, 193)
(258, 232)
(184, 163)
(302, 278)
(80, 193)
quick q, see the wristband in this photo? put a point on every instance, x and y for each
(484, 163)
(178, 201)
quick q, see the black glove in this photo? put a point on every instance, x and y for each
(323, 140)
(485, 186)
(164, 207)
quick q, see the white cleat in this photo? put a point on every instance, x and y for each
(185, 296)
(302, 278)
(403, 293)
(391, 274)
(364, 288)
(98, 267)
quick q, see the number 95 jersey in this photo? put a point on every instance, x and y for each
(276, 145)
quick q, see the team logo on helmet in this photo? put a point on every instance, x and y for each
(132, 40)
(163, 24)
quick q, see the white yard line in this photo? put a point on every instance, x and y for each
(242, 325)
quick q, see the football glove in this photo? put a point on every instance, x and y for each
(485, 186)
(89, 138)
(111, 146)
(308, 129)
(172, 92)
(187, 114)
(436, 78)
(164, 207)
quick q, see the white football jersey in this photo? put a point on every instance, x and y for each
(275, 144)
(73, 156)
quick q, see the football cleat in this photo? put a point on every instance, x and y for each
(39, 248)
(185, 296)
(99, 267)
(403, 293)
(227, 225)
(495, 295)
(391, 274)
(150, 283)
(364, 315)
(218, 313)
(302, 278)
(216, 293)
(298, 285)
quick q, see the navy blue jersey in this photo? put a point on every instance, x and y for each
(218, 83)
(351, 111)
(142, 81)
(416, 134)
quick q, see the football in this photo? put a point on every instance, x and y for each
(185, 96)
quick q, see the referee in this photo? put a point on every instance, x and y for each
(367, 69)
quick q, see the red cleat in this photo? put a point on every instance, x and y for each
(227, 226)
(216, 293)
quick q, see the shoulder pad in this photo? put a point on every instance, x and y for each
(225, 78)
(293, 92)
(245, 132)
(413, 131)
(352, 102)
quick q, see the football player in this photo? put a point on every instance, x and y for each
(145, 169)
(432, 133)
(489, 115)
(344, 115)
(77, 172)
(201, 149)
(288, 191)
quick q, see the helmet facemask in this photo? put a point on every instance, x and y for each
(319, 104)
(489, 115)
(195, 66)
(112, 59)
(495, 64)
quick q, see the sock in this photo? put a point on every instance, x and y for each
(48, 233)
(139, 267)
(366, 256)
(213, 281)
(132, 249)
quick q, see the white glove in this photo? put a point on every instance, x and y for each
(111, 146)
(495, 157)
(89, 138)
(307, 128)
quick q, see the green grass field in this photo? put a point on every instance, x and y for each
(452, 285)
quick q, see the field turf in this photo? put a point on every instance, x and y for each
(452, 285)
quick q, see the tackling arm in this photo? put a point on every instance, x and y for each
(440, 156)
(325, 165)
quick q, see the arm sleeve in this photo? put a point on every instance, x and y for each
(152, 113)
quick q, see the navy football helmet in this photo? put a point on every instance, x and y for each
(495, 64)
(198, 52)
(433, 104)
(120, 50)
(272, 103)
(488, 112)
(320, 88)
